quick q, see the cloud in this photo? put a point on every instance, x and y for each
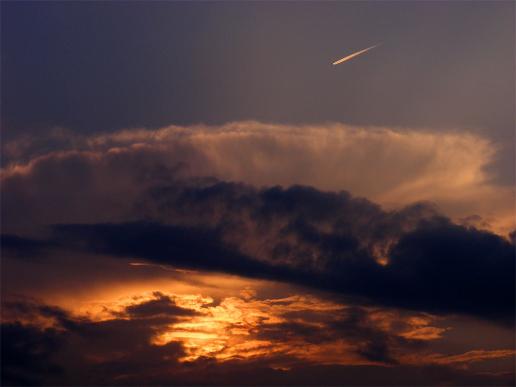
(226, 199)
(111, 351)
(353, 325)
(134, 202)
(287, 340)
(23, 247)
(129, 195)
(413, 258)
(394, 167)
(26, 354)
(161, 305)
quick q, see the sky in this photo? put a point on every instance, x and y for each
(192, 194)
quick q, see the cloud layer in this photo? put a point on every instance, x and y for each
(413, 258)
(171, 339)
(392, 167)
(268, 202)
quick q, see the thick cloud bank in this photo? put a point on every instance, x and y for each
(412, 258)
(266, 202)
(391, 167)
(153, 195)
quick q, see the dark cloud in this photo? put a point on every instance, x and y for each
(190, 247)
(138, 194)
(112, 352)
(26, 354)
(77, 350)
(161, 305)
(23, 247)
(294, 225)
(136, 205)
(353, 324)
(327, 240)
(473, 270)
(334, 241)
(330, 241)
(374, 344)
(25, 350)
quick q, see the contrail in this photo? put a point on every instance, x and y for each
(346, 58)
(163, 267)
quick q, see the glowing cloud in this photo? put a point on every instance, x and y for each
(391, 166)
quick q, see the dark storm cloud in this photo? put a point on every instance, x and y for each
(325, 240)
(332, 241)
(471, 269)
(134, 202)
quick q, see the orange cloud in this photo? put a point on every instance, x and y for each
(244, 326)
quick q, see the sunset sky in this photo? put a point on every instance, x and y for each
(192, 194)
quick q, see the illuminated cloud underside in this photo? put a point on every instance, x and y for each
(289, 330)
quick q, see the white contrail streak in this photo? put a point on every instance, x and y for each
(346, 58)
